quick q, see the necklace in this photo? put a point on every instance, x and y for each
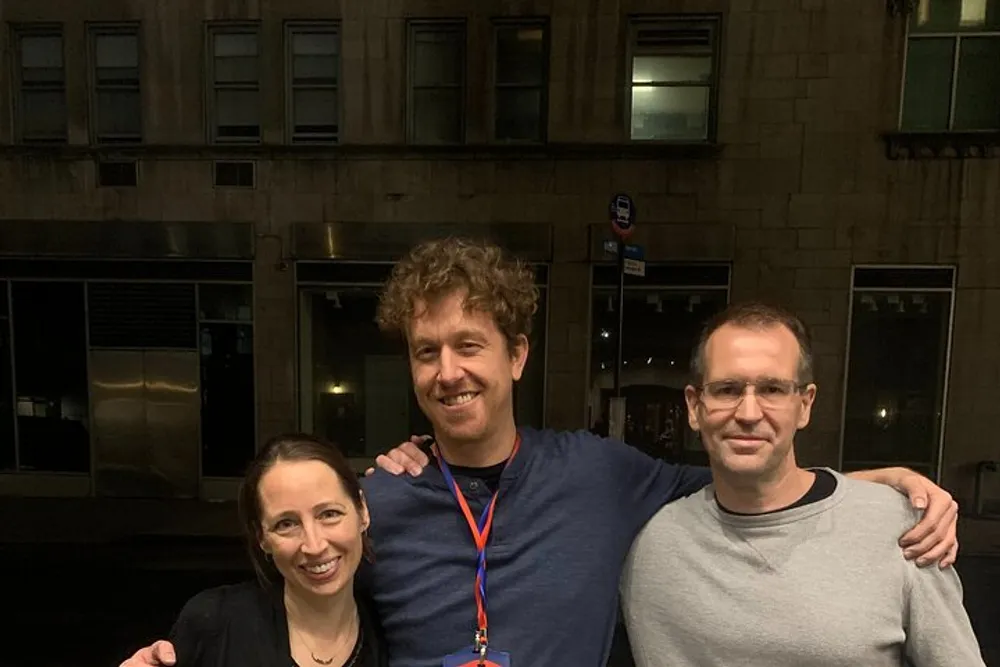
(329, 661)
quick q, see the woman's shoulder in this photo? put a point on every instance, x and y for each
(212, 607)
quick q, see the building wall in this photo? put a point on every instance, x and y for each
(797, 191)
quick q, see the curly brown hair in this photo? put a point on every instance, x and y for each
(494, 282)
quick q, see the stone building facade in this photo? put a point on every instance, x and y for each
(779, 143)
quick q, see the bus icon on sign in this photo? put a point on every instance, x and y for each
(622, 215)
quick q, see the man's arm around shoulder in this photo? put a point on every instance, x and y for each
(645, 484)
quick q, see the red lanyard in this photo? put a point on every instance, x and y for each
(480, 534)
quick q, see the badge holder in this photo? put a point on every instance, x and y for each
(480, 655)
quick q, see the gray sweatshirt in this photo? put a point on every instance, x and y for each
(814, 586)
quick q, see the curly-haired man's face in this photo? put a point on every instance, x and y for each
(463, 372)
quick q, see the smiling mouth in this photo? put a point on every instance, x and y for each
(458, 399)
(321, 568)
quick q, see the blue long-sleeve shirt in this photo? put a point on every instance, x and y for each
(569, 506)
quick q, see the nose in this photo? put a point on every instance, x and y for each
(450, 370)
(749, 410)
(313, 542)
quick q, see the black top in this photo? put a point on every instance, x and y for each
(245, 625)
(822, 487)
(490, 475)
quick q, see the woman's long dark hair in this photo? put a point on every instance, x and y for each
(289, 447)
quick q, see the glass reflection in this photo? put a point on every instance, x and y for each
(661, 328)
(896, 379)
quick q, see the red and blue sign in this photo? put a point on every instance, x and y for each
(622, 211)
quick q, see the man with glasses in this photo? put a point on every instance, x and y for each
(773, 564)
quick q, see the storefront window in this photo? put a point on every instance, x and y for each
(664, 314)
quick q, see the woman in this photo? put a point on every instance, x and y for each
(306, 524)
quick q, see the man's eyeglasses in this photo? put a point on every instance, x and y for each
(770, 393)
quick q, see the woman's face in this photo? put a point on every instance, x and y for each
(311, 527)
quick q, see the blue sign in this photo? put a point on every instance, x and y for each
(622, 212)
(631, 251)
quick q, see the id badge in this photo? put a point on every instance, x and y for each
(470, 658)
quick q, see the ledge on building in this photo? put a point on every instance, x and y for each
(568, 151)
(941, 145)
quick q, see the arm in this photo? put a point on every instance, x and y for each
(934, 539)
(938, 630)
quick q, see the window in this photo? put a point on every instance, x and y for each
(354, 382)
(314, 69)
(663, 316)
(673, 73)
(234, 174)
(50, 366)
(952, 80)
(117, 106)
(8, 436)
(437, 82)
(898, 351)
(42, 110)
(228, 415)
(521, 77)
(117, 174)
(235, 84)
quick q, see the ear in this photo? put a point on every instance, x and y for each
(691, 398)
(808, 398)
(366, 519)
(519, 357)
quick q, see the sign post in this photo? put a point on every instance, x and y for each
(622, 214)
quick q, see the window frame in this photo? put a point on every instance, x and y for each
(95, 87)
(937, 465)
(667, 21)
(43, 29)
(454, 25)
(506, 23)
(291, 28)
(212, 29)
(956, 37)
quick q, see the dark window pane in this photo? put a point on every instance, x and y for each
(437, 58)
(356, 388)
(235, 58)
(227, 399)
(141, 315)
(231, 303)
(879, 277)
(895, 382)
(315, 113)
(237, 114)
(50, 348)
(519, 114)
(955, 15)
(41, 59)
(661, 328)
(521, 55)
(118, 114)
(977, 99)
(7, 443)
(43, 114)
(437, 115)
(314, 57)
(927, 89)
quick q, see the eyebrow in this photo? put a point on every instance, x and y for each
(462, 334)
